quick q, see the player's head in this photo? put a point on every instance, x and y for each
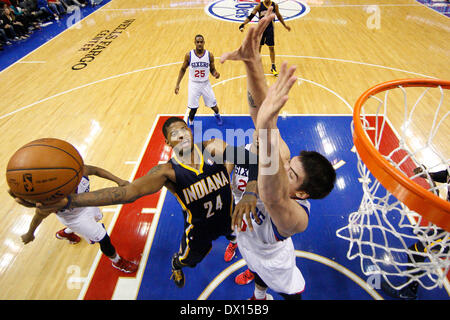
(310, 175)
(199, 42)
(177, 134)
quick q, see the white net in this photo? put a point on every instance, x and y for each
(388, 237)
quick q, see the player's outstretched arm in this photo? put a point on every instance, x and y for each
(249, 54)
(152, 182)
(273, 183)
(38, 217)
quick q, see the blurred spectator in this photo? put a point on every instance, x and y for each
(15, 28)
(56, 7)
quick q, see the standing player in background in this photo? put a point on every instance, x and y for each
(268, 37)
(282, 191)
(85, 221)
(200, 62)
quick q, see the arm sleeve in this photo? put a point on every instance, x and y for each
(242, 157)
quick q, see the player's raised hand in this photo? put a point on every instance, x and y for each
(250, 46)
(277, 95)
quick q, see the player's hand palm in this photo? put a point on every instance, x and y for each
(53, 207)
(250, 46)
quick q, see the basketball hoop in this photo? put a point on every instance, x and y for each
(399, 207)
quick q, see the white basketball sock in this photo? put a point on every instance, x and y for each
(260, 294)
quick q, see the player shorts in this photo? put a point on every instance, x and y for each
(201, 89)
(197, 241)
(85, 222)
(274, 263)
(268, 37)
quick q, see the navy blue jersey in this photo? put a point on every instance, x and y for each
(204, 194)
(263, 10)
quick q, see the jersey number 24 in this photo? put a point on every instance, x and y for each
(209, 206)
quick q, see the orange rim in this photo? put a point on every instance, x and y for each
(415, 197)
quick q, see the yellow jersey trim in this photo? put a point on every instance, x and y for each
(197, 172)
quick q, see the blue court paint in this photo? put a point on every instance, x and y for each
(329, 135)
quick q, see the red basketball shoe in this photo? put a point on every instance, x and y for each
(71, 237)
(244, 278)
(125, 265)
(230, 251)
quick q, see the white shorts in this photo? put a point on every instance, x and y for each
(274, 263)
(85, 222)
(201, 89)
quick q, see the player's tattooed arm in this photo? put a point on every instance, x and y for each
(152, 182)
(102, 197)
(251, 102)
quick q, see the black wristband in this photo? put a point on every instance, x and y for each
(241, 26)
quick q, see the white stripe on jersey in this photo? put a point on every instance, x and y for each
(199, 66)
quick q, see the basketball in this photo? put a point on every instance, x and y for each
(44, 170)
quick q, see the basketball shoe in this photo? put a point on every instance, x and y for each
(407, 293)
(125, 265)
(71, 237)
(177, 272)
(274, 70)
(218, 119)
(191, 124)
(230, 251)
(244, 277)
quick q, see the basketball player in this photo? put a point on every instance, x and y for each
(282, 209)
(268, 37)
(409, 292)
(201, 64)
(197, 176)
(85, 221)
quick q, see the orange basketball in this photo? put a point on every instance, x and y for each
(44, 170)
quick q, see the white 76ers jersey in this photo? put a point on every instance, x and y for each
(265, 232)
(199, 66)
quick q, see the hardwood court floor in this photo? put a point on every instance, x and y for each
(106, 108)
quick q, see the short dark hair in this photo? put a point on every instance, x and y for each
(320, 175)
(168, 122)
(199, 35)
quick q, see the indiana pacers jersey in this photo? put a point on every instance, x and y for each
(199, 66)
(205, 194)
(263, 10)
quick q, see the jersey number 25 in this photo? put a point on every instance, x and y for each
(199, 73)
